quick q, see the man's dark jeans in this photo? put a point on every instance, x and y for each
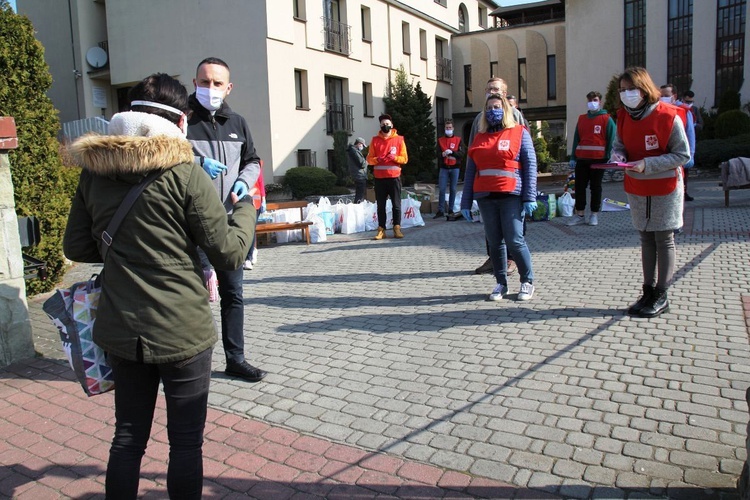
(383, 189)
(360, 190)
(232, 315)
(186, 385)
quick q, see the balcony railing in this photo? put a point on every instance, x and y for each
(338, 36)
(444, 71)
(339, 117)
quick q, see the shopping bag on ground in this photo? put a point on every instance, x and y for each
(371, 215)
(317, 230)
(566, 204)
(546, 207)
(338, 210)
(353, 219)
(410, 215)
(329, 220)
(73, 312)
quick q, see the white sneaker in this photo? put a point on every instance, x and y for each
(254, 256)
(527, 291)
(577, 220)
(594, 219)
(499, 292)
(248, 266)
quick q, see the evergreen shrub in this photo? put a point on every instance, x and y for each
(42, 186)
(731, 123)
(309, 181)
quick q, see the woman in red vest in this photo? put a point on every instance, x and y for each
(651, 138)
(501, 176)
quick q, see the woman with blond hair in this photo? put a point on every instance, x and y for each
(501, 176)
(651, 139)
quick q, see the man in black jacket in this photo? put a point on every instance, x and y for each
(224, 147)
(358, 168)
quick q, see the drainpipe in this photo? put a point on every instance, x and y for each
(390, 52)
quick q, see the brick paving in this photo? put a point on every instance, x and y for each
(391, 376)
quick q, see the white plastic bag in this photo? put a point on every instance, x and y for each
(410, 215)
(338, 210)
(566, 204)
(370, 212)
(317, 230)
(476, 215)
(353, 218)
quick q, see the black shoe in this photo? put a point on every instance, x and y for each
(485, 268)
(688, 197)
(438, 215)
(636, 308)
(658, 304)
(245, 371)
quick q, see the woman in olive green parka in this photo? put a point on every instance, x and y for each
(153, 318)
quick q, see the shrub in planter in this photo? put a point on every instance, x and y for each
(732, 123)
(308, 181)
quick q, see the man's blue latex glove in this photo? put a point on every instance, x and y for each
(240, 189)
(263, 206)
(690, 163)
(528, 207)
(212, 167)
(467, 214)
(572, 164)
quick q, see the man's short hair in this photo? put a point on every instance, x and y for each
(448, 121)
(211, 60)
(591, 95)
(510, 97)
(384, 117)
(670, 86)
(689, 93)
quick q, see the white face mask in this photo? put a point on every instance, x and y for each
(689, 104)
(360, 147)
(448, 132)
(210, 99)
(668, 100)
(593, 105)
(631, 98)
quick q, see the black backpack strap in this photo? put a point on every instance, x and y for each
(109, 233)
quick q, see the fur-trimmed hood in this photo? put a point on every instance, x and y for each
(109, 155)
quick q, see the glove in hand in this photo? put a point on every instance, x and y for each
(240, 189)
(467, 214)
(572, 164)
(213, 168)
(528, 207)
(263, 206)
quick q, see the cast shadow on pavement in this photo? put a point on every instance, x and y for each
(153, 485)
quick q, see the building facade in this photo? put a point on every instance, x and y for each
(300, 68)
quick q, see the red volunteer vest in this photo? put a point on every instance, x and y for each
(645, 138)
(384, 147)
(452, 143)
(494, 154)
(592, 137)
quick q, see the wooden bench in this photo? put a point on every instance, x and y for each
(272, 227)
(738, 166)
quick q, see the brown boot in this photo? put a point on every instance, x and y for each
(381, 234)
(397, 232)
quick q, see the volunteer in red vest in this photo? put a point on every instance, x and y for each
(386, 155)
(592, 143)
(450, 154)
(651, 138)
(501, 176)
(669, 96)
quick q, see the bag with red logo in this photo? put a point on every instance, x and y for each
(410, 215)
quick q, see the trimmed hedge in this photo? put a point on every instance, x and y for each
(711, 152)
(42, 186)
(732, 123)
(309, 181)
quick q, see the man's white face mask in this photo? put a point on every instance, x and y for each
(211, 99)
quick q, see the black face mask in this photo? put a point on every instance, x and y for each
(385, 129)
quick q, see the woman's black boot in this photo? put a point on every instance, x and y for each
(636, 308)
(658, 304)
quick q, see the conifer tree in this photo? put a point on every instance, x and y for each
(411, 111)
(42, 187)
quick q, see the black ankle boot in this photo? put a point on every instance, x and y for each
(636, 308)
(658, 304)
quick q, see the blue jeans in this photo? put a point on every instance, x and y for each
(444, 176)
(186, 385)
(232, 314)
(503, 224)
